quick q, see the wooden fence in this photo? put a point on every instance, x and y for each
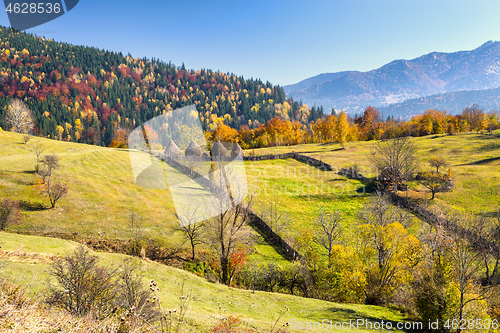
(478, 241)
(285, 249)
(299, 157)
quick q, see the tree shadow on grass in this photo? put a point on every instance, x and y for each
(494, 214)
(365, 322)
(320, 151)
(368, 189)
(25, 182)
(32, 206)
(483, 161)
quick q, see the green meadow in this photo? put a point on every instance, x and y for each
(26, 261)
(103, 195)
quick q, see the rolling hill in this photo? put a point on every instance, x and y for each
(87, 95)
(26, 261)
(102, 194)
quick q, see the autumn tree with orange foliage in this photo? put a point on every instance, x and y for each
(120, 138)
(369, 124)
(475, 118)
(225, 133)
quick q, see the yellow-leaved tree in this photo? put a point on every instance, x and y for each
(388, 251)
(342, 127)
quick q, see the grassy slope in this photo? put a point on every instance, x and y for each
(101, 198)
(102, 187)
(474, 160)
(102, 190)
(28, 264)
(301, 191)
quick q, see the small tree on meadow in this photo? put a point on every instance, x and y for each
(50, 163)
(438, 162)
(38, 150)
(54, 191)
(435, 182)
(191, 230)
(49, 185)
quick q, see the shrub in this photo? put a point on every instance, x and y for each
(86, 289)
(230, 325)
(9, 213)
(83, 287)
(134, 298)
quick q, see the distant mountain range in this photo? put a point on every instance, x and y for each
(437, 80)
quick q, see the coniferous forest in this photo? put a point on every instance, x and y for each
(83, 94)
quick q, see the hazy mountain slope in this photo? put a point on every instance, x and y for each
(313, 81)
(454, 102)
(400, 80)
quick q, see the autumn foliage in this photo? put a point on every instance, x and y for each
(341, 128)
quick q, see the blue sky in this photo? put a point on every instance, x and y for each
(280, 41)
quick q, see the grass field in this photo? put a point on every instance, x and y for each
(474, 160)
(103, 192)
(101, 198)
(26, 261)
(301, 191)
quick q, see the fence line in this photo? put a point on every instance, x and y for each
(478, 241)
(299, 157)
(286, 250)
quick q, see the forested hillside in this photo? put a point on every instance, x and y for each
(88, 95)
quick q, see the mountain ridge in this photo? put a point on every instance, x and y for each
(400, 80)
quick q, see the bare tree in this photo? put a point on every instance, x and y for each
(82, 285)
(396, 160)
(438, 162)
(377, 211)
(486, 236)
(50, 163)
(465, 261)
(38, 150)
(329, 229)
(225, 234)
(191, 230)
(20, 117)
(54, 191)
(50, 187)
(277, 220)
